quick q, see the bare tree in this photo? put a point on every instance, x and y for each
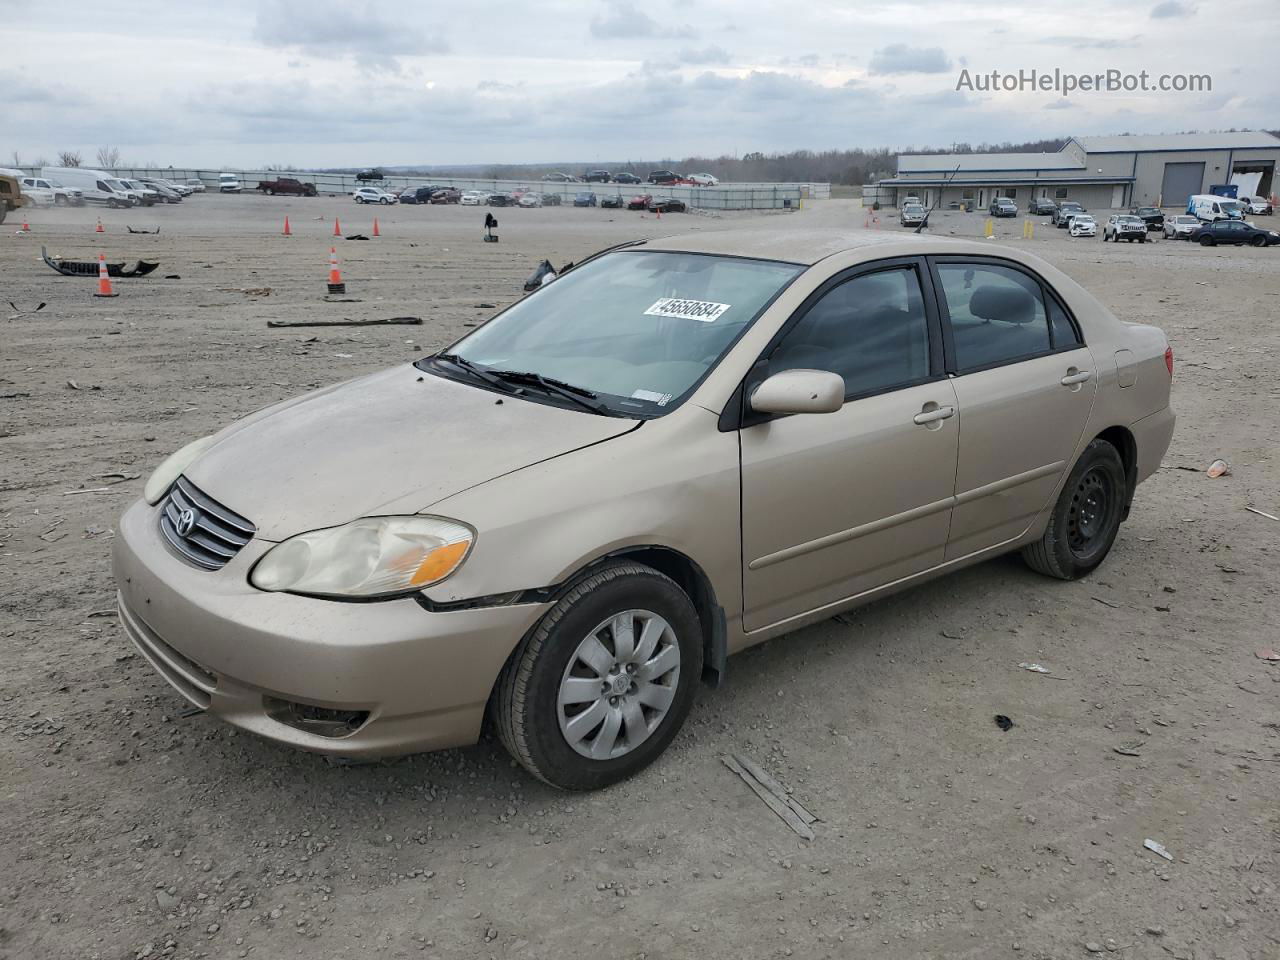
(108, 157)
(68, 158)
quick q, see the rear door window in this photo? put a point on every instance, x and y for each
(997, 314)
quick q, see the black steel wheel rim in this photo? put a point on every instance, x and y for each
(1091, 517)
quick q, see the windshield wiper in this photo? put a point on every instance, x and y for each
(481, 373)
(579, 395)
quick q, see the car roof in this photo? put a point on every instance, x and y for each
(811, 245)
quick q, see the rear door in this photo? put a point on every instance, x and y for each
(837, 504)
(1025, 383)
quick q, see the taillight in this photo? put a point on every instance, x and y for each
(1168, 359)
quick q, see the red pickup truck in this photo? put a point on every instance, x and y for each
(287, 185)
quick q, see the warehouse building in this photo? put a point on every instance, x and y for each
(1098, 172)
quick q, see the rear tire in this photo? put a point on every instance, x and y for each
(1085, 519)
(532, 703)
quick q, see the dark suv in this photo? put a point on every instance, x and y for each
(663, 176)
(1151, 216)
(372, 174)
(625, 178)
(1064, 211)
(597, 176)
(1040, 206)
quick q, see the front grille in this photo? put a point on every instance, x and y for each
(215, 534)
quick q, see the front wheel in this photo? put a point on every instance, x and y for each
(1206, 241)
(1085, 519)
(359, 199)
(384, 201)
(603, 683)
(1259, 241)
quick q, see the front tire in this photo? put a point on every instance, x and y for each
(603, 683)
(1085, 519)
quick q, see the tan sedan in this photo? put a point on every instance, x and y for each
(673, 451)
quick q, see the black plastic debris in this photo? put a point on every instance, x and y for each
(89, 268)
(543, 273)
(1003, 722)
(132, 230)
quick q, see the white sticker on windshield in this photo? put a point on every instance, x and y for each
(661, 399)
(689, 309)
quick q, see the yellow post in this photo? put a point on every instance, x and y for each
(1028, 229)
(991, 228)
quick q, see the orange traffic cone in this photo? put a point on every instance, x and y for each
(99, 229)
(376, 231)
(335, 276)
(26, 227)
(659, 212)
(287, 232)
(104, 279)
(337, 228)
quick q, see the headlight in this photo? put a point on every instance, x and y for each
(373, 557)
(161, 480)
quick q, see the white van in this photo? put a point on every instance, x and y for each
(95, 186)
(228, 183)
(1210, 207)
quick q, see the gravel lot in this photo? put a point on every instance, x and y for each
(130, 830)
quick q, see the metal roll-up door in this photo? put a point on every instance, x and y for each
(1181, 180)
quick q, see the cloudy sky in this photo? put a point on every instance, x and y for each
(326, 83)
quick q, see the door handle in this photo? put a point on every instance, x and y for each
(1080, 376)
(926, 417)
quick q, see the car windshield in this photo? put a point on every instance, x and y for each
(913, 208)
(638, 329)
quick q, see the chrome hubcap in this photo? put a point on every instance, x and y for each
(619, 684)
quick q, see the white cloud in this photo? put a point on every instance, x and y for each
(900, 58)
(331, 28)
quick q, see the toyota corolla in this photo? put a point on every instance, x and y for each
(566, 520)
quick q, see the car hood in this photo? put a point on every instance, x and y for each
(394, 442)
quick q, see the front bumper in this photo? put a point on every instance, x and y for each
(422, 677)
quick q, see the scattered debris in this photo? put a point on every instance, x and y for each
(247, 291)
(1034, 667)
(1261, 514)
(1003, 722)
(172, 276)
(71, 493)
(25, 313)
(542, 273)
(131, 230)
(1266, 655)
(1157, 848)
(118, 477)
(774, 796)
(1218, 468)
(950, 635)
(1107, 603)
(1130, 749)
(357, 236)
(479, 306)
(89, 268)
(113, 612)
(346, 322)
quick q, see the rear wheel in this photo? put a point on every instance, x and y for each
(1085, 519)
(1206, 241)
(604, 682)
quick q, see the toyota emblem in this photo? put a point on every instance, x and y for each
(186, 523)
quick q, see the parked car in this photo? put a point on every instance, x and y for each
(612, 201)
(414, 195)
(147, 195)
(597, 176)
(1064, 209)
(196, 184)
(287, 185)
(446, 195)
(52, 192)
(552, 200)
(911, 215)
(530, 198)
(502, 200)
(585, 200)
(1234, 232)
(373, 195)
(96, 186)
(370, 175)
(1125, 226)
(629, 178)
(228, 183)
(1083, 225)
(1003, 207)
(667, 205)
(1153, 217)
(911, 198)
(559, 178)
(473, 198)
(167, 191)
(663, 176)
(393, 605)
(640, 202)
(181, 188)
(1180, 227)
(703, 179)
(1258, 206)
(1041, 206)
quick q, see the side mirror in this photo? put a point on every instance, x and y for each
(799, 391)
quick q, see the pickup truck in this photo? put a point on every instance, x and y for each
(287, 185)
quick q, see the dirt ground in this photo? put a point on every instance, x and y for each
(129, 831)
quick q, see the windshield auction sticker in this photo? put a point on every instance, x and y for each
(690, 309)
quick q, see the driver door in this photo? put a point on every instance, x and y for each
(837, 504)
